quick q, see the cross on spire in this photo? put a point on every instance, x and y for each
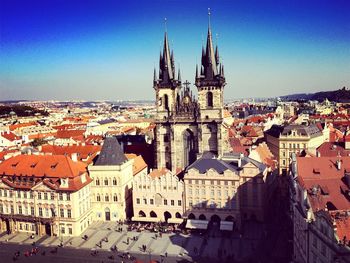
(186, 83)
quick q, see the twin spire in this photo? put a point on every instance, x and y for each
(167, 76)
(211, 69)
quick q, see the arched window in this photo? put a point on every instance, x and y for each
(114, 181)
(166, 102)
(106, 198)
(210, 99)
(98, 198)
(97, 181)
(106, 181)
(115, 198)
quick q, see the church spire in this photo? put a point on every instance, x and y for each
(210, 70)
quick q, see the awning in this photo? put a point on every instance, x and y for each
(175, 220)
(226, 225)
(197, 224)
(145, 219)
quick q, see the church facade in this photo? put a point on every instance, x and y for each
(187, 127)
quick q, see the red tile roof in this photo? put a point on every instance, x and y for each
(10, 136)
(67, 134)
(332, 149)
(316, 174)
(59, 166)
(139, 163)
(84, 152)
(27, 171)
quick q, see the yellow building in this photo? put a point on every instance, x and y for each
(283, 141)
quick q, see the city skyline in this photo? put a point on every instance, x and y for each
(88, 50)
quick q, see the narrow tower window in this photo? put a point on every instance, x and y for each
(210, 99)
(166, 104)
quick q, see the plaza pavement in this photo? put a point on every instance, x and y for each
(177, 246)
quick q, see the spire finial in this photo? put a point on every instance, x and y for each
(165, 25)
(209, 17)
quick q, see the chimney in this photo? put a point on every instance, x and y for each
(74, 157)
(318, 154)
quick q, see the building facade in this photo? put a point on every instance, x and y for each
(319, 190)
(185, 126)
(111, 190)
(158, 197)
(44, 195)
(283, 141)
(231, 188)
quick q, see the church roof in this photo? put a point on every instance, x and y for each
(111, 153)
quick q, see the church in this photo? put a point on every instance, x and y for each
(187, 127)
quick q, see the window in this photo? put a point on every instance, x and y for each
(63, 230)
(151, 201)
(106, 181)
(39, 196)
(219, 192)
(197, 191)
(165, 202)
(31, 195)
(45, 196)
(138, 201)
(61, 212)
(115, 198)
(179, 202)
(47, 212)
(106, 198)
(20, 209)
(19, 194)
(145, 201)
(166, 138)
(114, 181)
(166, 102)
(203, 191)
(61, 196)
(52, 196)
(70, 230)
(190, 203)
(69, 213)
(172, 202)
(32, 210)
(97, 181)
(210, 99)
(190, 191)
(1, 208)
(98, 198)
(212, 192)
(12, 209)
(226, 183)
(25, 195)
(5, 193)
(68, 196)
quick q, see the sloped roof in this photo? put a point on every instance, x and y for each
(58, 166)
(111, 153)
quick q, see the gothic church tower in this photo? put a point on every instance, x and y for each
(210, 82)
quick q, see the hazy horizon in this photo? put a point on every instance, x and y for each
(107, 50)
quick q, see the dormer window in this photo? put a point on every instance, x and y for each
(14, 164)
(53, 166)
(64, 182)
(33, 165)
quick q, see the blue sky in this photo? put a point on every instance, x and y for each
(83, 49)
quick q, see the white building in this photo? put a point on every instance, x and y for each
(43, 194)
(111, 190)
(158, 197)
